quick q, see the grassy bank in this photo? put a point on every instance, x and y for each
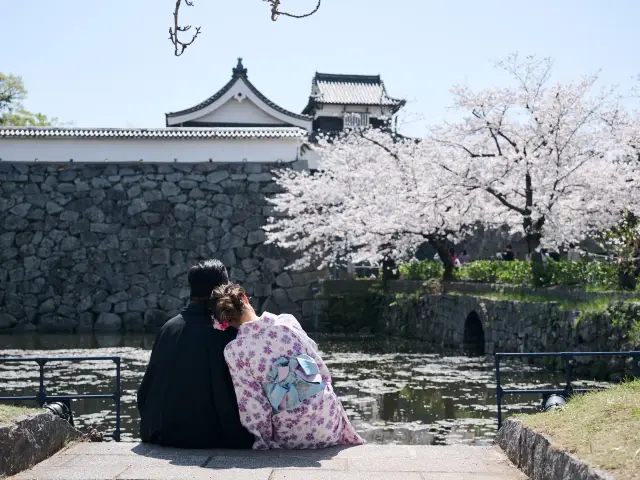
(600, 427)
(10, 412)
(598, 304)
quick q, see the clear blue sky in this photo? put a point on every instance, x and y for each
(110, 63)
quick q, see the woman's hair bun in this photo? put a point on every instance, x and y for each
(227, 302)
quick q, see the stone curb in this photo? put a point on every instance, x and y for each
(31, 439)
(534, 454)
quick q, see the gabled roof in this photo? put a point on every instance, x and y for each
(330, 88)
(239, 74)
(161, 133)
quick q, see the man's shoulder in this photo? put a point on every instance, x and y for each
(176, 321)
(171, 326)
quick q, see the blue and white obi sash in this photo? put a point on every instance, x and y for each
(292, 380)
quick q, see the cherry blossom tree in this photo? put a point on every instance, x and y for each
(549, 160)
(540, 153)
(376, 196)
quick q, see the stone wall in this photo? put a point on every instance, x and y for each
(518, 326)
(106, 246)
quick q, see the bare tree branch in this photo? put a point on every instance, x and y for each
(179, 45)
(275, 5)
(175, 30)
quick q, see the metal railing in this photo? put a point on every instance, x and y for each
(568, 388)
(42, 397)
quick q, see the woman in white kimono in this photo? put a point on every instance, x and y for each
(283, 387)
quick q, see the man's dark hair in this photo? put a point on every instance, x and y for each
(205, 277)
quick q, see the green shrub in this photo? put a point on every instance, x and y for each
(516, 272)
(565, 273)
(596, 274)
(478, 271)
(422, 270)
(601, 275)
(490, 271)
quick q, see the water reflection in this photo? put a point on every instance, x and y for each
(395, 392)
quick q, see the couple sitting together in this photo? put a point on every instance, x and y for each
(220, 376)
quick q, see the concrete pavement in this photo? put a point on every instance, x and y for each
(133, 461)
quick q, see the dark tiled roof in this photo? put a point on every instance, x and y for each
(239, 72)
(332, 88)
(171, 132)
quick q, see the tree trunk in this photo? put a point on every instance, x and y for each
(532, 237)
(537, 269)
(443, 253)
(532, 233)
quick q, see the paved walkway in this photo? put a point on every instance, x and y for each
(107, 461)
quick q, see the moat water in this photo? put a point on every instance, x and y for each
(393, 392)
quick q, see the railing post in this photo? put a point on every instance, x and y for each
(636, 367)
(116, 434)
(567, 372)
(42, 394)
(498, 391)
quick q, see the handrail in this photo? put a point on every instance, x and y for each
(568, 389)
(42, 397)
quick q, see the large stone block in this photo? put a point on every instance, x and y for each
(256, 237)
(229, 241)
(21, 209)
(222, 211)
(7, 321)
(217, 177)
(297, 294)
(284, 280)
(31, 439)
(108, 322)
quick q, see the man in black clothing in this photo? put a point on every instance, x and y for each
(508, 254)
(186, 398)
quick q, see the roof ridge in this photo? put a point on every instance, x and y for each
(148, 129)
(150, 133)
(347, 77)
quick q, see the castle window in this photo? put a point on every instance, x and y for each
(356, 120)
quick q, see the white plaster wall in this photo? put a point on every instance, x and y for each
(148, 150)
(244, 112)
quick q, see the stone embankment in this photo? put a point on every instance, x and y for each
(534, 454)
(31, 439)
(106, 247)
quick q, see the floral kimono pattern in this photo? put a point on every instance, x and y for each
(284, 390)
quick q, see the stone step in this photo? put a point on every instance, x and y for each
(133, 461)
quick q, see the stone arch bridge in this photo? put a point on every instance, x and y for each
(482, 326)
